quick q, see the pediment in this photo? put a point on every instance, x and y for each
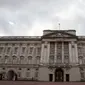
(59, 35)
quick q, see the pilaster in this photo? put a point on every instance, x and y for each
(70, 52)
(55, 56)
(76, 52)
(62, 52)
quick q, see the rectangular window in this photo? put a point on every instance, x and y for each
(19, 74)
(52, 48)
(82, 75)
(1, 50)
(8, 50)
(38, 50)
(14, 57)
(15, 50)
(23, 49)
(28, 74)
(6, 57)
(31, 50)
(29, 59)
(66, 57)
(59, 49)
(51, 59)
(36, 74)
(21, 57)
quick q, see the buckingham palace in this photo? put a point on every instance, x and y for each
(56, 56)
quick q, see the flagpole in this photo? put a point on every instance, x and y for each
(59, 26)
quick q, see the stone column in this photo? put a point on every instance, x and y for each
(45, 52)
(42, 53)
(76, 52)
(73, 52)
(62, 52)
(70, 52)
(48, 52)
(55, 56)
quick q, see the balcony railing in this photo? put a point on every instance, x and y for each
(42, 64)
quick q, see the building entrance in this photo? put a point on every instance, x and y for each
(59, 75)
(11, 75)
(1, 76)
(50, 77)
(67, 77)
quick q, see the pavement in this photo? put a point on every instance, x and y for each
(39, 83)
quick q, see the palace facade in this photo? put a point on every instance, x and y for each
(57, 55)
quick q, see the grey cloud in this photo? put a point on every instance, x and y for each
(25, 13)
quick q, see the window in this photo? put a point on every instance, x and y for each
(20, 69)
(80, 57)
(73, 46)
(82, 75)
(3, 68)
(6, 57)
(8, 50)
(37, 69)
(51, 59)
(29, 59)
(59, 57)
(38, 50)
(80, 60)
(45, 46)
(13, 44)
(21, 57)
(28, 69)
(59, 49)
(0, 56)
(14, 57)
(66, 57)
(28, 74)
(52, 47)
(1, 49)
(82, 69)
(37, 59)
(80, 50)
(15, 50)
(31, 50)
(36, 74)
(23, 49)
(19, 74)
(66, 49)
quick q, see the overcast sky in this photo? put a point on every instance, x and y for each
(31, 17)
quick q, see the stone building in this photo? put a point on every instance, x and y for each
(57, 55)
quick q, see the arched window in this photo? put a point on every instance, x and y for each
(14, 59)
(80, 58)
(21, 59)
(29, 59)
(6, 59)
(37, 59)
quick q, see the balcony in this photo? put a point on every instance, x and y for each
(54, 65)
(19, 65)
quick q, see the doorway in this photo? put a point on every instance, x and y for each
(50, 77)
(67, 77)
(59, 75)
(1, 76)
(11, 75)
